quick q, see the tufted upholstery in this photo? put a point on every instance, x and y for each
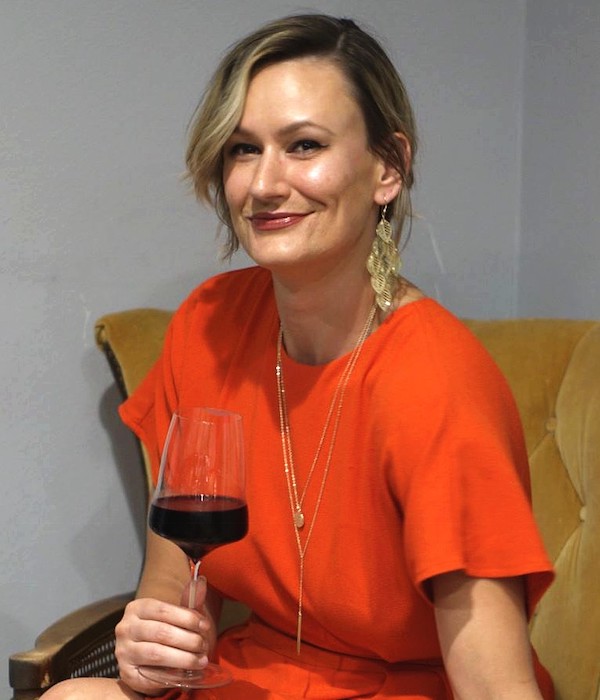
(553, 368)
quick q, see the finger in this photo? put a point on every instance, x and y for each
(153, 654)
(169, 636)
(134, 656)
(194, 594)
(133, 675)
(179, 616)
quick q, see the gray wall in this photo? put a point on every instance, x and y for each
(94, 100)
(560, 238)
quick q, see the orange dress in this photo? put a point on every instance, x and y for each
(428, 475)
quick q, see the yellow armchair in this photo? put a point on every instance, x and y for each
(553, 367)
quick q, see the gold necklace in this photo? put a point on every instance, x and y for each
(296, 503)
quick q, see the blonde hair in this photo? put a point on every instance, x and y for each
(374, 81)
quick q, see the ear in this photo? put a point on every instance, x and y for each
(391, 178)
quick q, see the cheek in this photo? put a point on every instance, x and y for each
(233, 188)
(335, 176)
(325, 180)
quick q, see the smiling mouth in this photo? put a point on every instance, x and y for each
(273, 221)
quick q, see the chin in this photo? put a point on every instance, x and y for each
(275, 257)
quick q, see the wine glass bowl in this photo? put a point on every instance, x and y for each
(199, 504)
(220, 519)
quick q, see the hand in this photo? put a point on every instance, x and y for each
(156, 633)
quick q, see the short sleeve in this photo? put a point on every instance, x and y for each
(197, 354)
(467, 500)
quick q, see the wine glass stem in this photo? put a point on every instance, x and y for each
(194, 566)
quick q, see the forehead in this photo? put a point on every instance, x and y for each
(313, 83)
(311, 63)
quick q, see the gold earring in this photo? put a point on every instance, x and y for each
(384, 263)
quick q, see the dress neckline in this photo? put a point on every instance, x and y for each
(324, 368)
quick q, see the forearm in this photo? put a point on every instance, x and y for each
(166, 571)
(160, 587)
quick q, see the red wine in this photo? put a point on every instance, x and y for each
(198, 524)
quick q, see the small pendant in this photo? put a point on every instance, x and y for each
(299, 519)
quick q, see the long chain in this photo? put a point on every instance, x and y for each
(296, 503)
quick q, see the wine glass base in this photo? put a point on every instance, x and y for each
(211, 676)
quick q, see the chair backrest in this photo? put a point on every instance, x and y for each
(131, 341)
(553, 367)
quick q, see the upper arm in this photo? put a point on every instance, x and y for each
(482, 629)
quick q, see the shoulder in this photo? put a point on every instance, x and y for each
(450, 391)
(227, 287)
(224, 295)
(454, 350)
(222, 311)
(430, 334)
(433, 357)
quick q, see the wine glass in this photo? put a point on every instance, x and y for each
(199, 504)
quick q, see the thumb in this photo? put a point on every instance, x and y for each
(194, 594)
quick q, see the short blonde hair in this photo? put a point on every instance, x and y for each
(375, 83)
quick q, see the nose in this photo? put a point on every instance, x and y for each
(269, 180)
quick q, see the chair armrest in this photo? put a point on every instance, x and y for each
(80, 644)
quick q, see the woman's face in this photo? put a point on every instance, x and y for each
(302, 187)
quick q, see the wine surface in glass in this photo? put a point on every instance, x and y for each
(199, 524)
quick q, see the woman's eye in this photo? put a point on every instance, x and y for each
(242, 149)
(306, 146)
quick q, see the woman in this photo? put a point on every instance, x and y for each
(392, 551)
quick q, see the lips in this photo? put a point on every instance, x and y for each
(273, 221)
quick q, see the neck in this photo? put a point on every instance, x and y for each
(320, 321)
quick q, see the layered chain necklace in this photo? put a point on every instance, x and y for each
(296, 499)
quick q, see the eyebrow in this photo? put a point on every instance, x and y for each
(286, 130)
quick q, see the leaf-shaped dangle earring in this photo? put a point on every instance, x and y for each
(383, 263)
